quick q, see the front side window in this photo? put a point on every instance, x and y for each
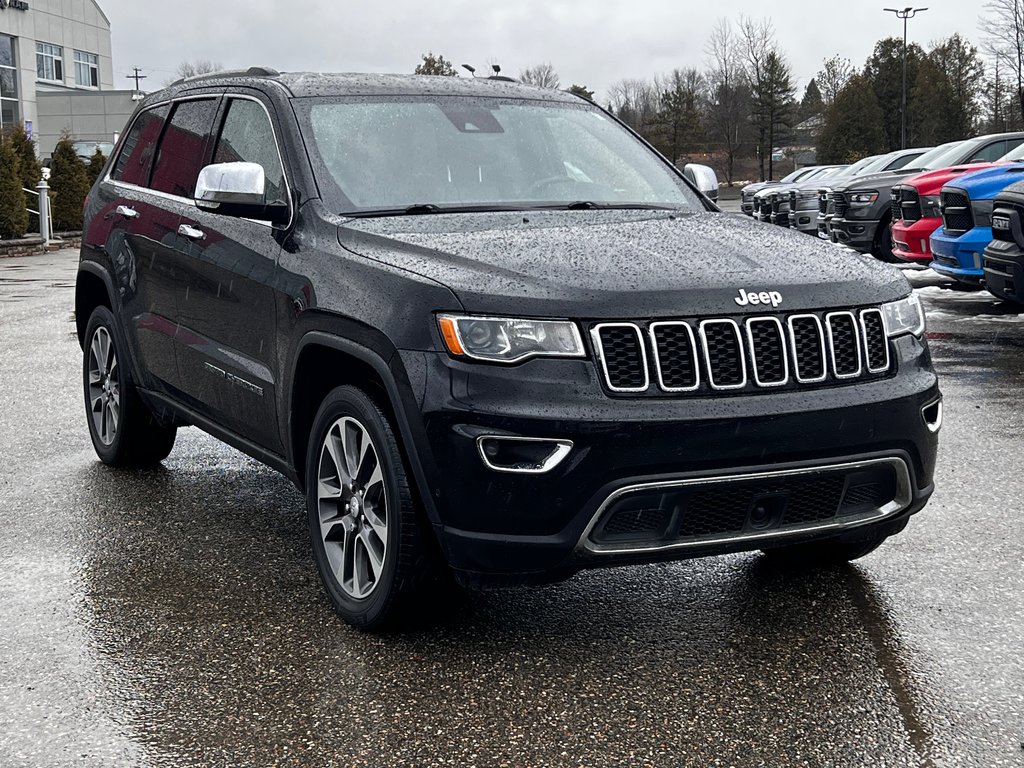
(139, 147)
(183, 147)
(378, 154)
(247, 136)
(87, 70)
(50, 62)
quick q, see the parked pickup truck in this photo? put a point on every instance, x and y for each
(1003, 261)
(797, 206)
(874, 164)
(748, 192)
(863, 210)
(958, 246)
(763, 198)
(915, 207)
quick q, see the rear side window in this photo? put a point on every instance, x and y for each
(990, 153)
(183, 147)
(248, 137)
(133, 164)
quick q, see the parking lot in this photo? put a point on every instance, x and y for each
(174, 617)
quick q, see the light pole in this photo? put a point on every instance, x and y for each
(906, 13)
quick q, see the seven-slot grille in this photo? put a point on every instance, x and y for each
(910, 205)
(839, 204)
(725, 354)
(956, 211)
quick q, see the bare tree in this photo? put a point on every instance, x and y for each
(634, 102)
(728, 93)
(1003, 30)
(757, 41)
(541, 75)
(197, 67)
(833, 77)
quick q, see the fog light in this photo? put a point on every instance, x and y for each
(522, 455)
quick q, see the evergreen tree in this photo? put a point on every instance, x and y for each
(853, 124)
(70, 184)
(25, 149)
(774, 104)
(13, 210)
(811, 104)
(884, 71)
(435, 65)
(95, 167)
(582, 91)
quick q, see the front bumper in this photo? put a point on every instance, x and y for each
(859, 234)
(747, 206)
(1004, 270)
(805, 219)
(497, 527)
(911, 242)
(961, 257)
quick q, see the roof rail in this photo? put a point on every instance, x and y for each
(250, 72)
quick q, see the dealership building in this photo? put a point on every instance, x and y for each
(56, 71)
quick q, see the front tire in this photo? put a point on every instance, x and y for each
(124, 431)
(369, 540)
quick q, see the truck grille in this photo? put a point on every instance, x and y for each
(776, 203)
(956, 211)
(910, 205)
(741, 354)
(894, 204)
(839, 204)
(1003, 209)
(823, 201)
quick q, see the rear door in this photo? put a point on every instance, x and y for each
(227, 308)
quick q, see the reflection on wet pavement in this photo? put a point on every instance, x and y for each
(173, 617)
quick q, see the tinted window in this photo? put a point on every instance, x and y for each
(989, 153)
(132, 166)
(247, 137)
(183, 147)
(903, 161)
(1014, 151)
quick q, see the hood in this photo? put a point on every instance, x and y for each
(987, 183)
(930, 182)
(750, 189)
(627, 264)
(880, 182)
(774, 190)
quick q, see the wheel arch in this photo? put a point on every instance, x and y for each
(93, 288)
(324, 361)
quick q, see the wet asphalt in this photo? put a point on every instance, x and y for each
(172, 617)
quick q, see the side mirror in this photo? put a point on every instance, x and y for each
(237, 189)
(703, 178)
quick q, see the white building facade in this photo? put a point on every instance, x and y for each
(57, 49)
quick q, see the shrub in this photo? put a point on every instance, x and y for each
(13, 212)
(70, 184)
(96, 163)
(25, 149)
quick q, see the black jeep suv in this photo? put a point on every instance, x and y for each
(489, 332)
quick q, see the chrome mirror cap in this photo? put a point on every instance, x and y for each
(703, 177)
(230, 184)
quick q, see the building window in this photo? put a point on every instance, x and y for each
(10, 112)
(50, 62)
(87, 69)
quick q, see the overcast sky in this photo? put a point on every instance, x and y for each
(590, 42)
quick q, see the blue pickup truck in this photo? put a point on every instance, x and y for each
(958, 246)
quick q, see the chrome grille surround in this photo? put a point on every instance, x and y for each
(735, 354)
(830, 326)
(750, 323)
(595, 334)
(704, 325)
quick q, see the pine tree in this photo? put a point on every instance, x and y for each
(96, 164)
(70, 183)
(13, 210)
(25, 149)
(853, 124)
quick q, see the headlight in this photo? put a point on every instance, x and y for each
(509, 340)
(903, 316)
(930, 207)
(982, 210)
(863, 198)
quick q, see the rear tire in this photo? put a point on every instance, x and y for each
(370, 542)
(824, 553)
(124, 431)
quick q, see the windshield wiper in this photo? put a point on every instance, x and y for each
(423, 209)
(590, 205)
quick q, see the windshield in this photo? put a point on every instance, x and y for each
(405, 154)
(942, 156)
(902, 161)
(802, 173)
(862, 165)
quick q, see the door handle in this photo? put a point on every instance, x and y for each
(127, 212)
(192, 233)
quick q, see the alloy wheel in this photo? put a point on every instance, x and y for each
(104, 388)
(353, 507)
